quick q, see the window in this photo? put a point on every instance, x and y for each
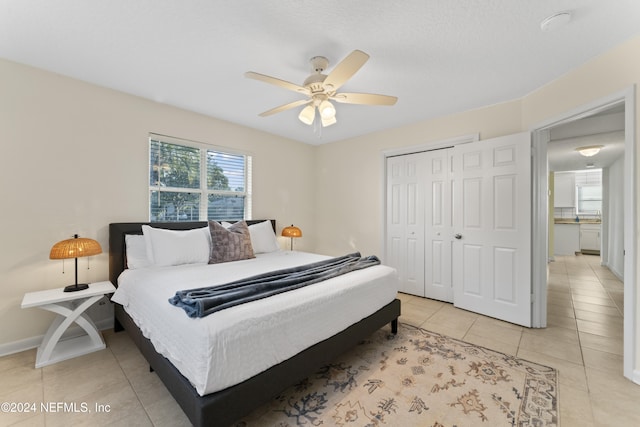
(589, 192)
(589, 199)
(189, 181)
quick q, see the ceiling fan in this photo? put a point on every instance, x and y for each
(321, 88)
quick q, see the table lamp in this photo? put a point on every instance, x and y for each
(291, 232)
(75, 248)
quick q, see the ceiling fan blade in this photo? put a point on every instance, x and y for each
(345, 69)
(364, 98)
(281, 83)
(285, 107)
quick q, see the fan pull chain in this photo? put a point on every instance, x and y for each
(317, 127)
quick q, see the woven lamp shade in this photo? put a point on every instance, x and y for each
(75, 248)
(291, 231)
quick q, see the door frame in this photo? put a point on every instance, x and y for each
(540, 134)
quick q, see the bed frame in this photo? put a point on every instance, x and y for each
(226, 406)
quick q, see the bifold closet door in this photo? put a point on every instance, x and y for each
(405, 222)
(436, 176)
(459, 225)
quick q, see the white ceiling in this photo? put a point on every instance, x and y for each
(437, 56)
(605, 128)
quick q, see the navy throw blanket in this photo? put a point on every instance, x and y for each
(204, 301)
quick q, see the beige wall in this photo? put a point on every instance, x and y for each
(51, 127)
(350, 174)
(74, 159)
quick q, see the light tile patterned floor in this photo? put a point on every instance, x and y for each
(583, 340)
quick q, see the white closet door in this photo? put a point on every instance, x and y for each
(436, 175)
(405, 223)
(492, 226)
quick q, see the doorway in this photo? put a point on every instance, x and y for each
(542, 135)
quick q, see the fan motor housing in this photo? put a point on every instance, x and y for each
(319, 64)
(315, 80)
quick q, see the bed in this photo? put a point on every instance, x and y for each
(218, 400)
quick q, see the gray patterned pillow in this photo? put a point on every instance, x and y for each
(230, 244)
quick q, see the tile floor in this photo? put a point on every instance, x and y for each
(583, 340)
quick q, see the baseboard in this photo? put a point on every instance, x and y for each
(636, 377)
(615, 272)
(33, 342)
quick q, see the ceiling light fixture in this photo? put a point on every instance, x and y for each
(319, 88)
(327, 110)
(555, 21)
(308, 114)
(329, 121)
(590, 150)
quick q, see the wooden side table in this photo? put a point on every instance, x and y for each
(70, 307)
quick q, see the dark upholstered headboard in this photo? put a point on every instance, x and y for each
(118, 231)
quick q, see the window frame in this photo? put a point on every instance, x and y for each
(203, 190)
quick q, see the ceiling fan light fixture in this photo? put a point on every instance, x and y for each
(590, 150)
(320, 89)
(327, 110)
(307, 115)
(329, 121)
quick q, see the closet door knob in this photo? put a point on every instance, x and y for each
(458, 236)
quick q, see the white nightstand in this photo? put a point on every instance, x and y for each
(70, 307)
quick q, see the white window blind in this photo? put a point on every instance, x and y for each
(190, 181)
(589, 192)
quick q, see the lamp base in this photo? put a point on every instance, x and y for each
(76, 287)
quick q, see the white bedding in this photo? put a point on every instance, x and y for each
(232, 345)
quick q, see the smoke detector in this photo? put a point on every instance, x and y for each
(555, 21)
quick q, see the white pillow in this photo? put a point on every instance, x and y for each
(136, 251)
(263, 239)
(176, 247)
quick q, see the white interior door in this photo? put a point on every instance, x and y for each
(492, 227)
(436, 176)
(405, 223)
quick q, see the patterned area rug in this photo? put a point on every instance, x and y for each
(418, 378)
